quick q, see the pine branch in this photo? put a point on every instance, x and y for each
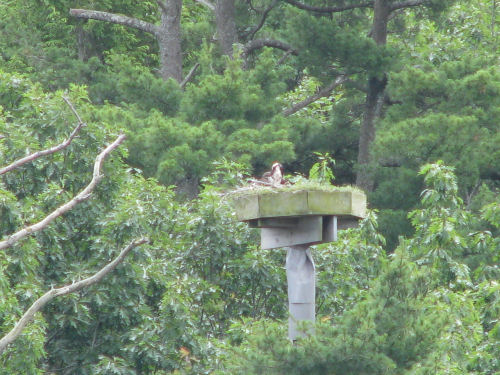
(83, 195)
(53, 293)
(51, 150)
(189, 76)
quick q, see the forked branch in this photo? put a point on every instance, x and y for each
(83, 195)
(265, 13)
(53, 293)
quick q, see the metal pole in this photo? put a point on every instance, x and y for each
(300, 274)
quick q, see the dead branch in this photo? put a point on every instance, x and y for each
(189, 76)
(117, 19)
(53, 293)
(51, 150)
(325, 91)
(313, 8)
(83, 195)
(206, 3)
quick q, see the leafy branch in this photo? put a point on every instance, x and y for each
(321, 170)
(52, 150)
(83, 195)
(321, 93)
(56, 292)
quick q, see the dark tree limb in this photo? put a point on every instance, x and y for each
(117, 19)
(260, 43)
(407, 4)
(337, 9)
(83, 195)
(325, 91)
(396, 13)
(53, 293)
(49, 151)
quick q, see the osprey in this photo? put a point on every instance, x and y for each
(275, 175)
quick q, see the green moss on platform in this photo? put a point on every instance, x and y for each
(298, 200)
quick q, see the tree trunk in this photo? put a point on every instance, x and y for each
(226, 26)
(83, 43)
(169, 40)
(373, 106)
(374, 99)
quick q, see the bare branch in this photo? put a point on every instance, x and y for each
(70, 105)
(189, 75)
(260, 43)
(53, 293)
(206, 3)
(254, 31)
(408, 4)
(117, 19)
(83, 195)
(49, 151)
(313, 8)
(325, 91)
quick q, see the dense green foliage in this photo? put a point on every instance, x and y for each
(414, 290)
(423, 310)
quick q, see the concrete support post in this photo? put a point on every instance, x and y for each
(300, 273)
